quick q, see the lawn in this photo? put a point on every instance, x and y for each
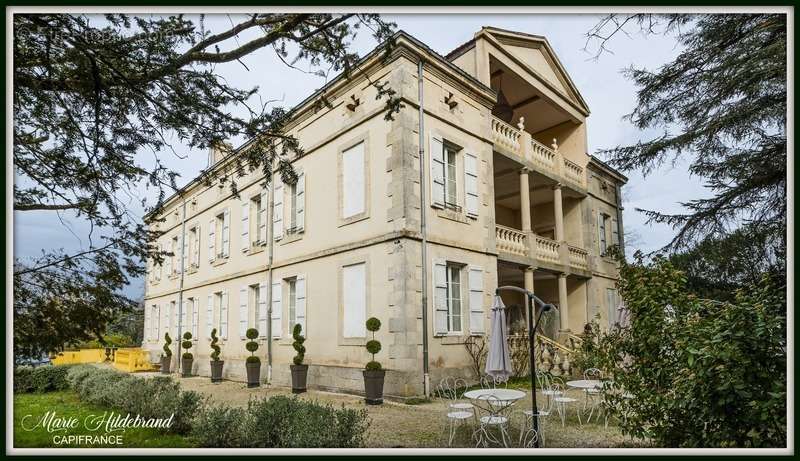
(65, 404)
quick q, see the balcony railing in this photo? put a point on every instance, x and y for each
(511, 240)
(544, 157)
(578, 257)
(547, 249)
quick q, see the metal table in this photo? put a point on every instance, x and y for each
(494, 402)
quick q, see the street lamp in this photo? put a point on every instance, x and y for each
(530, 298)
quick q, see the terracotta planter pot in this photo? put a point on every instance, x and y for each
(216, 370)
(299, 376)
(165, 363)
(253, 374)
(373, 386)
(186, 367)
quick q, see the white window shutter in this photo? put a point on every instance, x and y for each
(243, 311)
(212, 251)
(245, 225)
(437, 171)
(440, 297)
(277, 309)
(177, 325)
(185, 252)
(353, 181)
(300, 211)
(471, 185)
(354, 297)
(277, 209)
(168, 261)
(262, 218)
(300, 302)
(226, 232)
(476, 316)
(196, 248)
(157, 319)
(614, 232)
(195, 318)
(167, 318)
(262, 310)
(223, 316)
(187, 319)
(209, 316)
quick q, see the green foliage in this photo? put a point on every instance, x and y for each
(299, 339)
(373, 346)
(83, 116)
(703, 373)
(251, 346)
(220, 427)
(251, 333)
(720, 105)
(167, 342)
(109, 340)
(45, 378)
(187, 336)
(214, 346)
(155, 397)
(253, 359)
(293, 423)
(373, 324)
(187, 344)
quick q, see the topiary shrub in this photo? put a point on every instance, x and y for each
(252, 345)
(373, 345)
(187, 344)
(298, 344)
(46, 378)
(167, 342)
(214, 346)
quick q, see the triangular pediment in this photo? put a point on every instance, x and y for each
(538, 55)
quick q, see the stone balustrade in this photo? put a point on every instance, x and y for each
(547, 249)
(578, 257)
(511, 240)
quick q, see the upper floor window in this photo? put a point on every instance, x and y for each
(453, 169)
(353, 174)
(219, 235)
(601, 232)
(194, 247)
(174, 261)
(607, 232)
(294, 223)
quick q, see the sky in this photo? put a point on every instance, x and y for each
(609, 95)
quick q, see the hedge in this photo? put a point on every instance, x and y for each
(45, 378)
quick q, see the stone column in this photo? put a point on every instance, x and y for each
(562, 302)
(559, 213)
(525, 199)
(528, 278)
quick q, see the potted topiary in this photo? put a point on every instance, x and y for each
(253, 363)
(216, 363)
(373, 372)
(299, 369)
(187, 359)
(166, 357)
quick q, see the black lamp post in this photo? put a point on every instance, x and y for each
(530, 298)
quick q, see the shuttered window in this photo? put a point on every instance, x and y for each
(471, 202)
(354, 299)
(245, 218)
(476, 314)
(437, 163)
(223, 314)
(353, 181)
(209, 315)
(277, 309)
(277, 208)
(243, 312)
(262, 310)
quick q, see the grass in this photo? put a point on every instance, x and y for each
(66, 404)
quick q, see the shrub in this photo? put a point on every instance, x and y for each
(187, 344)
(703, 373)
(298, 344)
(157, 397)
(252, 345)
(283, 422)
(373, 345)
(46, 378)
(214, 346)
(167, 342)
(220, 427)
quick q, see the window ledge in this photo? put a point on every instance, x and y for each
(353, 219)
(456, 216)
(289, 238)
(254, 250)
(219, 261)
(452, 338)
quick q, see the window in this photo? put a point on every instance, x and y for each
(612, 304)
(173, 312)
(221, 304)
(292, 286)
(354, 300)
(453, 298)
(221, 234)
(451, 184)
(292, 209)
(194, 245)
(155, 318)
(174, 261)
(258, 216)
(353, 181)
(601, 232)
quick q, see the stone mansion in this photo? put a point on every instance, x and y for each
(508, 196)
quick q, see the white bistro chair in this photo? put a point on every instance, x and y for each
(458, 412)
(562, 401)
(493, 426)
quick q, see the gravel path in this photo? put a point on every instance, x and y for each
(401, 425)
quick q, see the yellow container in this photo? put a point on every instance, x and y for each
(80, 356)
(133, 359)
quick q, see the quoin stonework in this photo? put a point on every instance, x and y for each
(512, 197)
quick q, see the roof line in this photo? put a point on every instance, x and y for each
(608, 167)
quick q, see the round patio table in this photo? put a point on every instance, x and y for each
(494, 402)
